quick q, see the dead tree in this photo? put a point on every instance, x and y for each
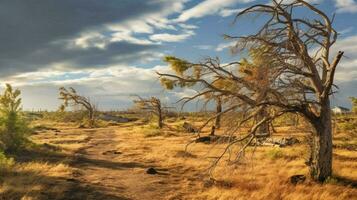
(71, 98)
(300, 81)
(153, 106)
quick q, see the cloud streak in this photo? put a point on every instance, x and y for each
(209, 7)
(78, 34)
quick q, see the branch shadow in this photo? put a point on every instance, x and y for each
(70, 189)
(55, 157)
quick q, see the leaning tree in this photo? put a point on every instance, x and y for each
(70, 97)
(153, 106)
(298, 48)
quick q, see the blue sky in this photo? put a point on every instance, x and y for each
(109, 50)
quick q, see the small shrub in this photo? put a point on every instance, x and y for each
(5, 163)
(13, 130)
(152, 132)
(331, 180)
(347, 126)
(275, 154)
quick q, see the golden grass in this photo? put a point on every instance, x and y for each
(34, 180)
(265, 175)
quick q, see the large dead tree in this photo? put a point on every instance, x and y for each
(71, 98)
(153, 106)
(298, 50)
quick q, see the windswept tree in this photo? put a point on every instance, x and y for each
(301, 80)
(71, 98)
(153, 106)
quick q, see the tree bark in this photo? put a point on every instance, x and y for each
(321, 147)
(91, 118)
(263, 129)
(218, 110)
(159, 112)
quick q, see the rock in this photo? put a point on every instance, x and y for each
(215, 139)
(81, 126)
(71, 180)
(151, 171)
(289, 141)
(283, 142)
(296, 179)
(112, 152)
(204, 139)
(209, 183)
(189, 128)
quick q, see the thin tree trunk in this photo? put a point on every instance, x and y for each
(91, 118)
(159, 111)
(218, 110)
(321, 148)
(213, 130)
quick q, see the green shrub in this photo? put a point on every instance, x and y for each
(152, 132)
(5, 162)
(347, 126)
(13, 129)
(331, 180)
(275, 154)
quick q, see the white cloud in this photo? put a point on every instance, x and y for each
(346, 6)
(166, 37)
(225, 45)
(188, 26)
(185, 92)
(89, 40)
(346, 30)
(126, 30)
(204, 47)
(208, 7)
(109, 87)
(126, 36)
(229, 12)
(347, 69)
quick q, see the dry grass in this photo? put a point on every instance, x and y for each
(184, 174)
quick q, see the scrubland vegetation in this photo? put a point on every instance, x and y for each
(270, 133)
(67, 162)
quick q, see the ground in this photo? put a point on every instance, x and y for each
(111, 163)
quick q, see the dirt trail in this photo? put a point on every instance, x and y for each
(118, 173)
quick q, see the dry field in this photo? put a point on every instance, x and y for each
(111, 163)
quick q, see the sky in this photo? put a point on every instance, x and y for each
(109, 50)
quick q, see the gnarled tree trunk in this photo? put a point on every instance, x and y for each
(321, 147)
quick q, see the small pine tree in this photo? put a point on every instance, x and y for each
(13, 128)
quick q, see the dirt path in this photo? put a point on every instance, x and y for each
(105, 170)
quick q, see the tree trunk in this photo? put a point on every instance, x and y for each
(159, 111)
(91, 118)
(263, 129)
(218, 110)
(213, 130)
(321, 147)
